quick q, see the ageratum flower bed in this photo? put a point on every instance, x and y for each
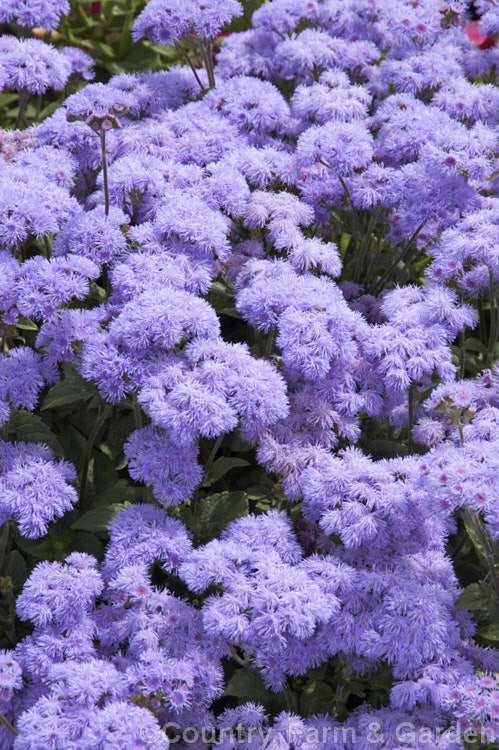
(249, 460)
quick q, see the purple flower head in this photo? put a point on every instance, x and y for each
(60, 593)
(165, 21)
(10, 676)
(45, 285)
(250, 104)
(21, 377)
(342, 147)
(93, 235)
(35, 489)
(34, 66)
(99, 106)
(81, 63)
(172, 470)
(144, 533)
(31, 13)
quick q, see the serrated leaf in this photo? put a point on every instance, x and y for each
(121, 492)
(385, 449)
(220, 467)
(491, 633)
(89, 543)
(25, 324)
(219, 288)
(30, 428)
(231, 312)
(219, 510)
(246, 683)
(475, 345)
(71, 389)
(475, 596)
(317, 698)
(16, 568)
(98, 519)
(472, 533)
(258, 492)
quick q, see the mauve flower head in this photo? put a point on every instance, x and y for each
(31, 13)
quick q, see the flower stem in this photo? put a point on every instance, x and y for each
(208, 62)
(207, 468)
(410, 423)
(400, 257)
(88, 453)
(7, 724)
(23, 101)
(190, 63)
(104, 171)
(476, 523)
(4, 539)
(269, 344)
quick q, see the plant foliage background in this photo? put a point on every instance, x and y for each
(248, 389)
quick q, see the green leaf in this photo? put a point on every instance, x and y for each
(16, 568)
(246, 683)
(475, 345)
(121, 492)
(100, 47)
(344, 242)
(475, 596)
(491, 633)
(317, 698)
(218, 510)
(74, 444)
(71, 389)
(385, 449)
(26, 325)
(259, 492)
(89, 543)
(98, 519)
(231, 312)
(30, 428)
(220, 467)
(472, 533)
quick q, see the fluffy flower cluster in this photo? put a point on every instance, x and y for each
(165, 21)
(34, 488)
(238, 258)
(30, 13)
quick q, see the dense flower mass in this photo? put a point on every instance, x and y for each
(249, 391)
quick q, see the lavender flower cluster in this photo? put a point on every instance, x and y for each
(289, 248)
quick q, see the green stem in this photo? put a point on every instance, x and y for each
(23, 101)
(190, 63)
(462, 353)
(213, 454)
(206, 52)
(475, 521)
(104, 171)
(211, 65)
(400, 257)
(208, 62)
(4, 539)
(88, 453)
(236, 656)
(364, 244)
(207, 468)
(410, 424)
(137, 413)
(494, 323)
(125, 34)
(350, 203)
(270, 344)
(374, 255)
(7, 724)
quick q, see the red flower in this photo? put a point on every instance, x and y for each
(473, 33)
